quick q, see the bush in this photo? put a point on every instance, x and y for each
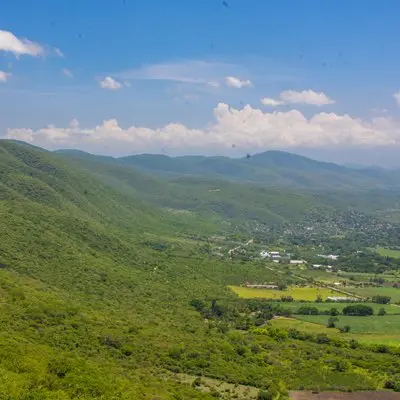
(346, 329)
(305, 310)
(358, 310)
(382, 311)
(381, 299)
(264, 395)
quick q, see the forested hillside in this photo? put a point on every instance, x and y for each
(107, 290)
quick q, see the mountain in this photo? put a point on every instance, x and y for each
(107, 295)
(272, 168)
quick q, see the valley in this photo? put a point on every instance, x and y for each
(120, 284)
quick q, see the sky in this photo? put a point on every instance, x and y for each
(119, 77)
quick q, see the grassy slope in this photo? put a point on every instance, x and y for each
(298, 293)
(91, 311)
(233, 201)
(387, 324)
(271, 168)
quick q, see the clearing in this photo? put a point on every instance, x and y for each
(392, 292)
(324, 306)
(388, 252)
(298, 293)
(386, 324)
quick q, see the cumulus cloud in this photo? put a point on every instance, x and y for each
(397, 97)
(110, 84)
(4, 76)
(237, 83)
(303, 97)
(10, 43)
(267, 101)
(248, 128)
(68, 73)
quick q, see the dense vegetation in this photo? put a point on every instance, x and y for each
(107, 296)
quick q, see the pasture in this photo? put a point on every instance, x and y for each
(295, 305)
(387, 324)
(317, 325)
(377, 291)
(388, 252)
(298, 293)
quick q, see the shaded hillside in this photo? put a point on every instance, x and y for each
(271, 168)
(204, 195)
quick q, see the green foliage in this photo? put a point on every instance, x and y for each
(106, 296)
(381, 299)
(381, 312)
(358, 310)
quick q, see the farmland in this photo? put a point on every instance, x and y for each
(316, 325)
(392, 292)
(387, 324)
(325, 307)
(298, 293)
(388, 252)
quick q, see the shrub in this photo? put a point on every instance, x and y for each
(305, 310)
(381, 299)
(358, 310)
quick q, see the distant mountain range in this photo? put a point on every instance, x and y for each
(271, 168)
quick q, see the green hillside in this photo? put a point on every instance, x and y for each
(103, 296)
(273, 168)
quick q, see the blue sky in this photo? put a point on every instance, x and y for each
(190, 76)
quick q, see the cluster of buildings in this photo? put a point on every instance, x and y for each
(276, 256)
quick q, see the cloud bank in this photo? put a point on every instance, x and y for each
(246, 128)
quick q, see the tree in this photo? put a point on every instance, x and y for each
(381, 299)
(358, 310)
(346, 329)
(306, 310)
(334, 312)
(332, 322)
(382, 311)
(197, 304)
(264, 395)
(319, 299)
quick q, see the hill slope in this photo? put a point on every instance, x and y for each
(96, 288)
(273, 168)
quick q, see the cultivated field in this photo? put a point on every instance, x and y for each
(375, 291)
(298, 293)
(315, 326)
(295, 305)
(388, 252)
(387, 324)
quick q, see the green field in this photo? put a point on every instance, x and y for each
(391, 339)
(388, 252)
(295, 305)
(298, 293)
(302, 325)
(375, 291)
(318, 275)
(387, 324)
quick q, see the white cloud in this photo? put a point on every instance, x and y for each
(187, 71)
(4, 76)
(10, 43)
(68, 73)
(234, 82)
(397, 97)
(267, 101)
(58, 52)
(293, 97)
(110, 84)
(247, 128)
(305, 97)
